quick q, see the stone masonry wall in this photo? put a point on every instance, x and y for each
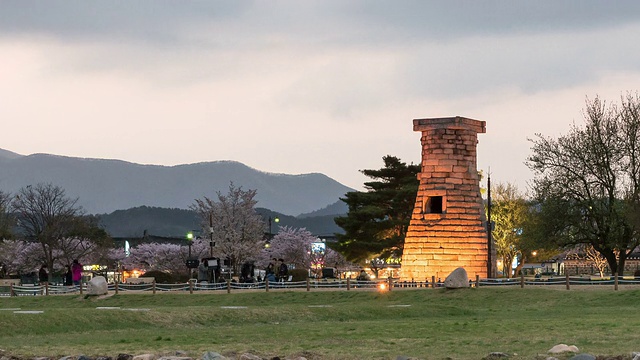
(447, 228)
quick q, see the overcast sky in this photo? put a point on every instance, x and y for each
(304, 86)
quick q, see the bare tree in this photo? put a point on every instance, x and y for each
(48, 217)
(595, 258)
(6, 220)
(587, 185)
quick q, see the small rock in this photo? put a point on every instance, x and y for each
(212, 355)
(635, 355)
(496, 355)
(104, 358)
(144, 357)
(583, 357)
(83, 357)
(560, 348)
(247, 356)
(124, 357)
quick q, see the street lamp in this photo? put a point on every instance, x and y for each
(189, 241)
(191, 263)
(275, 220)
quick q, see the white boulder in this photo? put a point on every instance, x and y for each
(458, 279)
(97, 286)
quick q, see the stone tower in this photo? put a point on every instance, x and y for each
(448, 228)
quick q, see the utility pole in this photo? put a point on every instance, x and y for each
(211, 243)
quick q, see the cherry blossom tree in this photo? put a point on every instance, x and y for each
(22, 257)
(165, 257)
(236, 227)
(296, 247)
(291, 244)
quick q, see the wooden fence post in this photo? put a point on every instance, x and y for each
(116, 288)
(521, 279)
(11, 291)
(477, 281)
(348, 283)
(615, 281)
(80, 287)
(390, 282)
(46, 288)
(266, 284)
(228, 286)
(308, 284)
(190, 286)
(153, 286)
(433, 282)
(566, 275)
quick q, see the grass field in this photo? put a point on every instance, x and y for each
(421, 323)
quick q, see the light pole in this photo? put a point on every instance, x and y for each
(275, 220)
(189, 242)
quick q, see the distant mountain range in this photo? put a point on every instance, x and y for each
(104, 186)
(176, 223)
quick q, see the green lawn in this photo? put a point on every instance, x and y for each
(422, 323)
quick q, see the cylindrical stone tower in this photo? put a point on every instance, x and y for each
(447, 228)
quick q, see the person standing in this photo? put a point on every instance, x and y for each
(203, 271)
(68, 276)
(43, 274)
(76, 272)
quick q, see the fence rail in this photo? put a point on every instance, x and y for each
(308, 285)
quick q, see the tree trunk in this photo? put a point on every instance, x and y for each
(621, 260)
(611, 260)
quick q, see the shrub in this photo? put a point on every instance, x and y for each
(161, 277)
(299, 274)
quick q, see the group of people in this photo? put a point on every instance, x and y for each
(277, 270)
(72, 274)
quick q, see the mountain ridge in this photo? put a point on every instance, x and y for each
(107, 185)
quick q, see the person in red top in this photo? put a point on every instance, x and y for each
(76, 272)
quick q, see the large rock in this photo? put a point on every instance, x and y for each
(97, 286)
(458, 279)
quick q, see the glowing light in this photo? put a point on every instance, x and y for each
(382, 287)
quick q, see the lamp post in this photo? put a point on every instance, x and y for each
(189, 241)
(275, 220)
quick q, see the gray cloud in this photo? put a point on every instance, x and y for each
(370, 21)
(153, 21)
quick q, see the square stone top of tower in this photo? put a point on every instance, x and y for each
(456, 122)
